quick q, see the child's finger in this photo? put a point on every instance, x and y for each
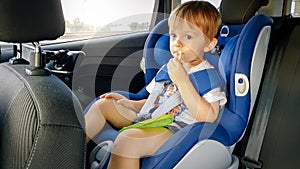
(115, 96)
(173, 64)
(112, 96)
(103, 96)
(176, 63)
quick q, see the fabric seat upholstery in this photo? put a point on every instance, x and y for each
(39, 125)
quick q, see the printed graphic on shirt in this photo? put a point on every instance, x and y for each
(169, 90)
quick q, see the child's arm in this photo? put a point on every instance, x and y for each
(197, 105)
(134, 105)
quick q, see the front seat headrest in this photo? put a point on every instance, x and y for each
(239, 12)
(31, 20)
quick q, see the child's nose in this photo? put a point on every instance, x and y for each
(178, 43)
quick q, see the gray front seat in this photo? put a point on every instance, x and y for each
(40, 117)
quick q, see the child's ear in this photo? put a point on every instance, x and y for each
(211, 45)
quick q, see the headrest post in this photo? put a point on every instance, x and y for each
(17, 59)
(18, 50)
(37, 62)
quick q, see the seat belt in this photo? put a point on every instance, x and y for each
(254, 145)
(213, 81)
(168, 105)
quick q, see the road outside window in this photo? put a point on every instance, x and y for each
(99, 18)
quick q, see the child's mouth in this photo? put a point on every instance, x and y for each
(179, 55)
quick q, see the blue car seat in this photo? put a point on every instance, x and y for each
(242, 46)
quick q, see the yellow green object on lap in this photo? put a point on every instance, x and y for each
(157, 122)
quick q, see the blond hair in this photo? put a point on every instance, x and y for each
(200, 13)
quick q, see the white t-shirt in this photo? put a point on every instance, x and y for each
(212, 96)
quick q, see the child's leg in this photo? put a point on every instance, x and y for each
(132, 144)
(107, 110)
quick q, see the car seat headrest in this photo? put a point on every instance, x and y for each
(239, 12)
(225, 63)
(162, 52)
(31, 20)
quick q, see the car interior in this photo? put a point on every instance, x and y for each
(244, 49)
(39, 125)
(47, 86)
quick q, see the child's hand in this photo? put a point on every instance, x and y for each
(176, 71)
(115, 96)
(120, 99)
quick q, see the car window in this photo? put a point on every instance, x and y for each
(98, 18)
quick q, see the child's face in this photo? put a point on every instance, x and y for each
(190, 41)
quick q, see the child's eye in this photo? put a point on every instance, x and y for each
(188, 37)
(173, 35)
